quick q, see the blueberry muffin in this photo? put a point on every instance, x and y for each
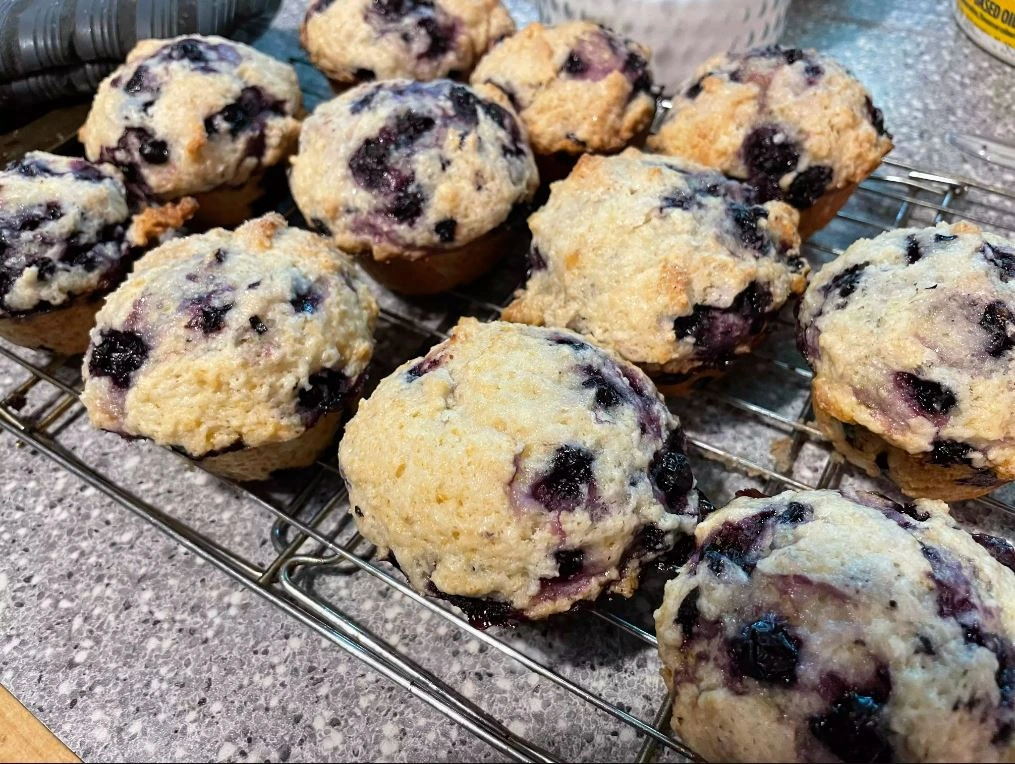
(910, 336)
(792, 122)
(67, 237)
(578, 87)
(666, 262)
(814, 627)
(417, 178)
(354, 41)
(239, 349)
(523, 471)
(201, 116)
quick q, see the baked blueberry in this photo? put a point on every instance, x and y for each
(766, 650)
(117, 355)
(568, 483)
(507, 477)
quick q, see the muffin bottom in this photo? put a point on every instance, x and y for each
(821, 213)
(554, 167)
(914, 474)
(260, 462)
(229, 206)
(681, 384)
(441, 270)
(61, 330)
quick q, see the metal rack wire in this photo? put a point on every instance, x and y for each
(753, 428)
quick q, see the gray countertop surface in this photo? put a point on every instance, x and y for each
(130, 648)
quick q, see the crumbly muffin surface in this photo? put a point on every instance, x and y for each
(230, 340)
(191, 114)
(522, 470)
(578, 87)
(814, 627)
(666, 262)
(910, 336)
(405, 169)
(360, 40)
(63, 231)
(792, 122)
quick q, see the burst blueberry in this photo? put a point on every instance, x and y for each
(569, 563)
(445, 230)
(574, 64)
(118, 355)
(796, 513)
(154, 151)
(853, 729)
(187, 50)
(396, 9)
(931, 398)
(766, 650)
(999, 323)
(569, 480)
(736, 543)
(718, 332)
(768, 151)
(138, 81)
(876, 117)
(913, 251)
(746, 222)
(480, 613)
(1000, 549)
(258, 325)
(1002, 258)
(242, 113)
(406, 206)
(808, 186)
(208, 318)
(670, 472)
(688, 614)
(846, 282)
(439, 34)
(606, 393)
(947, 453)
(326, 391)
(306, 300)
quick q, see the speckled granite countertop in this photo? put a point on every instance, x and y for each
(130, 648)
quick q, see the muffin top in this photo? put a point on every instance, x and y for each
(668, 263)
(793, 122)
(814, 627)
(405, 169)
(910, 335)
(360, 40)
(578, 87)
(228, 340)
(521, 466)
(187, 115)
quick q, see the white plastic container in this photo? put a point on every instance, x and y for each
(681, 33)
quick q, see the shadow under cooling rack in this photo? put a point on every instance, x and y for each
(291, 540)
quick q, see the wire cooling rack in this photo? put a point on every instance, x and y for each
(751, 429)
